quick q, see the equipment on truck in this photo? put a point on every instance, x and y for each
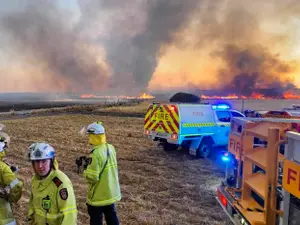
(282, 114)
(266, 189)
(196, 127)
(238, 136)
(254, 113)
(293, 112)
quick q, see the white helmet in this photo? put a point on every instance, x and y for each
(40, 151)
(4, 141)
(95, 128)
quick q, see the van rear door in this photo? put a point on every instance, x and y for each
(196, 120)
(162, 118)
(223, 123)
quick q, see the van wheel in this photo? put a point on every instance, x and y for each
(169, 147)
(205, 149)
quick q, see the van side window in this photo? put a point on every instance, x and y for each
(236, 114)
(223, 116)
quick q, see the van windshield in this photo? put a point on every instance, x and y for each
(236, 114)
(223, 116)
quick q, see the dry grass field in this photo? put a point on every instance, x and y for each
(157, 187)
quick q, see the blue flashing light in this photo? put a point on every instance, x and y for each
(221, 106)
(225, 157)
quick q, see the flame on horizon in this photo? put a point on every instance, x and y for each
(142, 96)
(286, 95)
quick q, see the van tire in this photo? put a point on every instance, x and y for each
(205, 148)
(169, 147)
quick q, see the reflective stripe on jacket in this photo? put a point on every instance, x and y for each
(103, 189)
(52, 200)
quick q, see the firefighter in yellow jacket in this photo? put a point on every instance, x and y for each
(10, 186)
(102, 177)
(52, 200)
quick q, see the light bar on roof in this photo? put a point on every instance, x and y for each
(221, 106)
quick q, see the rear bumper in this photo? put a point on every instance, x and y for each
(229, 208)
(162, 137)
(233, 220)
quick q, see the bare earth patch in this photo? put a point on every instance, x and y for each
(157, 187)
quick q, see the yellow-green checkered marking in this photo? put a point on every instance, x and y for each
(198, 124)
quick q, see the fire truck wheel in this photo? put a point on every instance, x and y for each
(169, 147)
(204, 149)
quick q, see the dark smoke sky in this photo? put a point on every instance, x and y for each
(42, 37)
(125, 47)
(139, 30)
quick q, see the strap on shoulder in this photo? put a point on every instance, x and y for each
(107, 155)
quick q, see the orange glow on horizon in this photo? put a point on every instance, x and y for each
(142, 96)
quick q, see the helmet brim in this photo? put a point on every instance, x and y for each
(39, 159)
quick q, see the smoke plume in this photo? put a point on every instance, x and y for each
(246, 43)
(43, 38)
(254, 70)
(249, 66)
(137, 35)
(126, 47)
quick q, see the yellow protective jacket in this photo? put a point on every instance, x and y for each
(52, 200)
(9, 179)
(102, 177)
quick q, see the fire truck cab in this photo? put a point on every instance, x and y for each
(266, 189)
(196, 127)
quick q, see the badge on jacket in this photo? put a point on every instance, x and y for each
(63, 194)
(46, 203)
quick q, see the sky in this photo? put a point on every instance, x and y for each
(136, 46)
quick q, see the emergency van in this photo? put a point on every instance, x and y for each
(196, 127)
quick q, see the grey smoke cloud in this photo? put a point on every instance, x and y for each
(133, 35)
(136, 33)
(249, 65)
(41, 35)
(234, 27)
(249, 68)
(139, 30)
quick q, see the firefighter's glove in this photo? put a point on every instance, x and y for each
(86, 163)
(81, 163)
(14, 169)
